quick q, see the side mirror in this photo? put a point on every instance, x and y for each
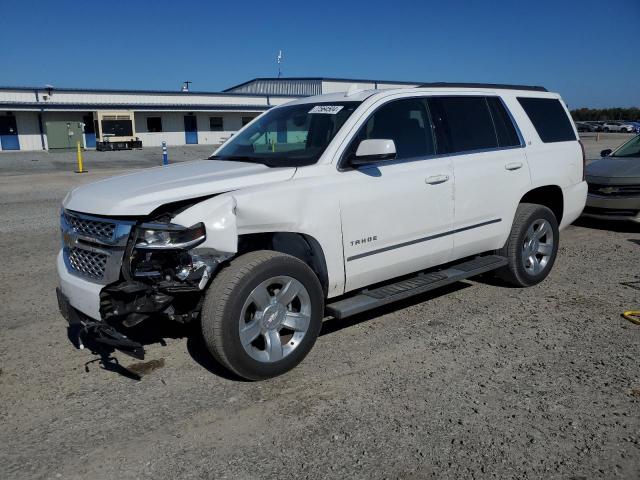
(374, 150)
(606, 153)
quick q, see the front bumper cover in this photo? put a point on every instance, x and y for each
(85, 330)
(613, 208)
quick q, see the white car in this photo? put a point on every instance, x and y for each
(328, 205)
(617, 127)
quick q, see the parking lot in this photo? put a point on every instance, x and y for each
(474, 380)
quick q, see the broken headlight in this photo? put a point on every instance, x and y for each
(158, 236)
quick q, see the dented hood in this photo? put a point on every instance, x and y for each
(142, 192)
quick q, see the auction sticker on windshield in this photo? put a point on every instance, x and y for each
(330, 109)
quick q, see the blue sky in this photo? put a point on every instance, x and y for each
(587, 50)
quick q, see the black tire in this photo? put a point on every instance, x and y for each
(223, 307)
(605, 129)
(515, 272)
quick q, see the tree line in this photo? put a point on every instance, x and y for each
(581, 114)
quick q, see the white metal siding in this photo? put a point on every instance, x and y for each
(28, 131)
(343, 86)
(231, 123)
(9, 95)
(173, 127)
(336, 87)
(116, 98)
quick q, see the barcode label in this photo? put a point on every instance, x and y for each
(328, 109)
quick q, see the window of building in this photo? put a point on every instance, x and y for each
(246, 120)
(406, 122)
(117, 128)
(505, 131)
(215, 124)
(154, 124)
(462, 124)
(549, 119)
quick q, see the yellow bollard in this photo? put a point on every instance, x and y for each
(79, 154)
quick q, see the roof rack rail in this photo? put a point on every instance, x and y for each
(485, 85)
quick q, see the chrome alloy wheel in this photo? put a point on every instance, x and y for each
(538, 247)
(274, 319)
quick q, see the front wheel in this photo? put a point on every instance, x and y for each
(532, 246)
(262, 314)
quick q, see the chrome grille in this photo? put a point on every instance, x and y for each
(88, 264)
(93, 247)
(98, 229)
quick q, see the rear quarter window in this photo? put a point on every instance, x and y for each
(549, 119)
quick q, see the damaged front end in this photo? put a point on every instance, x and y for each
(163, 272)
(151, 267)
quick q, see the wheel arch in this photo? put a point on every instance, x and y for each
(300, 245)
(548, 195)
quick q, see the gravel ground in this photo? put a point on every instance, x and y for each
(33, 162)
(472, 381)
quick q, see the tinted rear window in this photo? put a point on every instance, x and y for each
(462, 124)
(549, 119)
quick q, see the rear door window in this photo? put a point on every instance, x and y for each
(549, 119)
(462, 124)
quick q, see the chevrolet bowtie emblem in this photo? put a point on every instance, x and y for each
(609, 190)
(69, 238)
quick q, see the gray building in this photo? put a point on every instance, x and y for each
(48, 118)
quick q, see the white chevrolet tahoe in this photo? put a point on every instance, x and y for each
(328, 205)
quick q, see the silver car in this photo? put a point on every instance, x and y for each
(614, 183)
(617, 127)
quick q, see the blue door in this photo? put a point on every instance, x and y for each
(190, 130)
(9, 133)
(89, 132)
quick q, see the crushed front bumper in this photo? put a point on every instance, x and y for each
(85, 330)
(81, 294)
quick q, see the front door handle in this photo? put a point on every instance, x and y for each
(513, 165)
(436, 179)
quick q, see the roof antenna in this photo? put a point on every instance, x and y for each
(280, 59)
(185, 86)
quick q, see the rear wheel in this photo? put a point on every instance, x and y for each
(262, 314)
(532, 246)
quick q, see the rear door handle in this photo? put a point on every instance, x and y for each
(513, 165)
(436, 179)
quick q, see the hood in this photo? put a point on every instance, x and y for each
(140, 193)
(615, 170)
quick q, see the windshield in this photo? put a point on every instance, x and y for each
(288, 136)
(629, 149)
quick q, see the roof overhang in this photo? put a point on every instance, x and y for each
(83, 107)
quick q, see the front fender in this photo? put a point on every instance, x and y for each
(219, 217)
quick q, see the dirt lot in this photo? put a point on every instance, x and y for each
(473, 381)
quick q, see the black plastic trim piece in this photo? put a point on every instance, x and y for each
(420, 240)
